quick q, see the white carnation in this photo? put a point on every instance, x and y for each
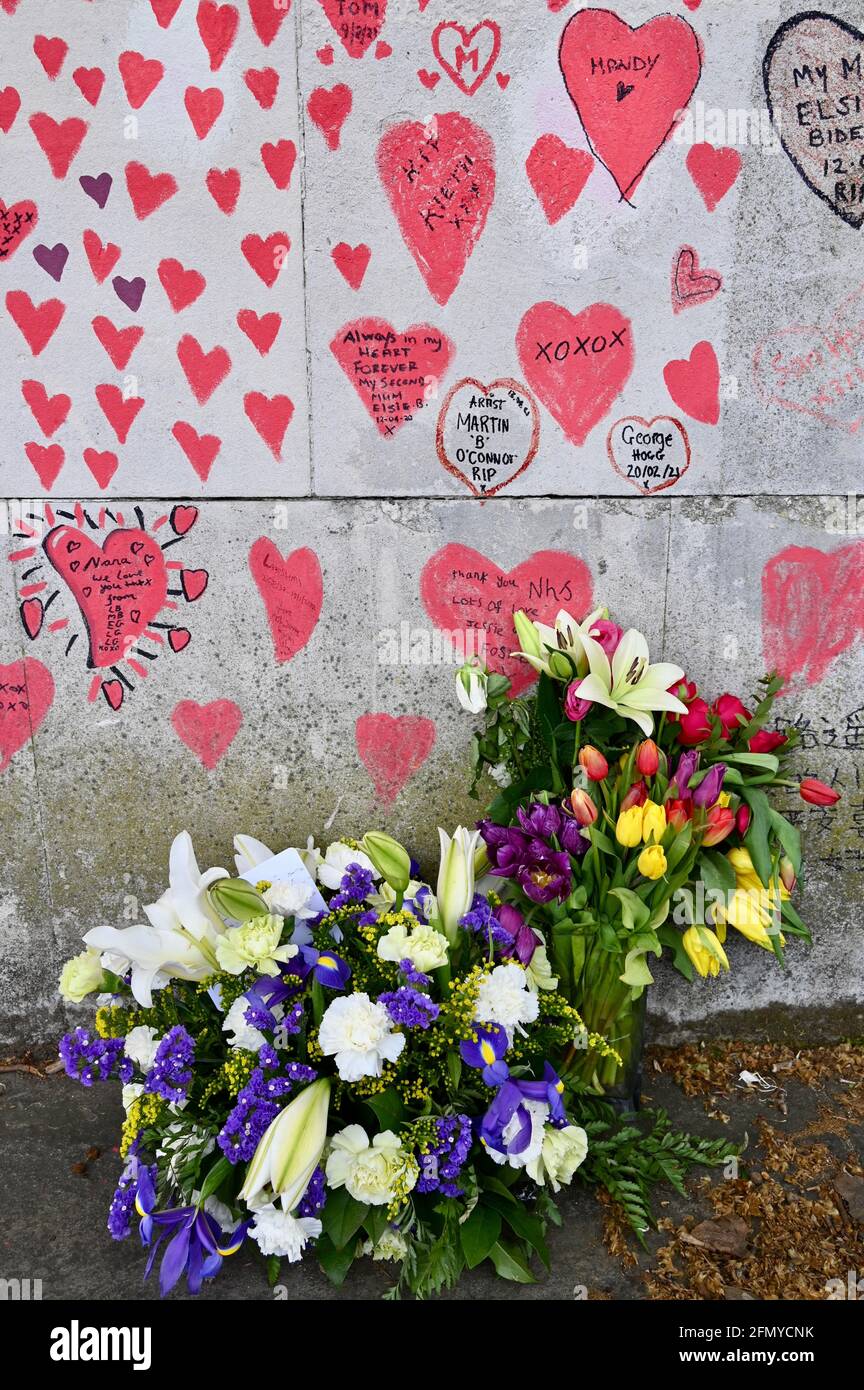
(141, 1045)
(504, 997)
(335, 864)
(279, 1233)
(291, 899)
(359, 1035)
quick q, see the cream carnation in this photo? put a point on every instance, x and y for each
(374, 1174)
(561, 1154)
(422, 945)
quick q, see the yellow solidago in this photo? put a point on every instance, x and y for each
(142, 1113)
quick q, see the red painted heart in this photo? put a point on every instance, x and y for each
(690, 284)
(576, 363)
(351, 262)
(278, 158)
(217, 25)
(16, 223)
(292, 588)
(713, 171)
(440, 180)
(182, 286)
(47, 460)
(119, 343)
(26, 695)
(119, 586)
(204, 108)
(462, 51)
(270, 416)
(102, 258)
(467, 594)
(37, 322)
(817, 371)
(204, 371)
(329, 109)
(263, 83)
(812, 610)
(557, 174)
(147, 191)
(420, 355)
(59, 141)
(694, 384)
(120, 411)
(200, 449)
(260, 329)
(392, 749)
(356, 34)
(140, 76)
(267, 17)
(209, 730)
(50, 412)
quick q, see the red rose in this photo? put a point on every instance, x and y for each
(766, 741)
(694, 724)
(685, 690)
(731, 713)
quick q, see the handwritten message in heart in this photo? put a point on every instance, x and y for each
(487, 435)
(394, 373)
(357, 23)
(17, 221)
(629, 85)
(576, 363)
(26, 695)
(119, 586)
(440, 180)
(292, 588)
(650, 454)
(472, 598)
(467, 55)
(813, 81)
(817, 371)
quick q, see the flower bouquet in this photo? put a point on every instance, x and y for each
(323, 1052)
(616, 841)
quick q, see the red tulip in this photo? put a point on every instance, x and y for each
(742, 819)
(731, 713)
(678, 812)
(593, 762)
(694, 724)
(766, 741)
(787, 875)
(817, 794)
(584, 809)
(719, 823)
(637, 796)
(648, 758)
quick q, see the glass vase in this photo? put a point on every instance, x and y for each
(607, 1007)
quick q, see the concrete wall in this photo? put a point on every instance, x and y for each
(283, 525)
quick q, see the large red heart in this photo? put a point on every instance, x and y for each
(209, 730)
(267, 16)
(461, 50)
(119, 586)
(394, 373)
(217, 25)
(629, 85)
(466, 594)
(356, 34)
(812, 609)
(440, 179)
(16, 222)
(577, 363)
(817, 371)
(140, 76)
(292, 588)
(26, 695)
(392, 749)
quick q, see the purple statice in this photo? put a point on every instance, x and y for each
(357, 883)
(122, 1208)
(368, 919)
(171, 1073)
(315, 1196)
(410, 1007)
(444, 1160)
(411, 974)
(482, 920)
(256, 1105)
(89, 1059)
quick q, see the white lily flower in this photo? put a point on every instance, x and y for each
(249, 852)
(455, 878)
(184, 906)
(628, 683)
(472, 683)
(540, 643)
(334, 866)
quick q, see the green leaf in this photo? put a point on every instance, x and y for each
(510, 1263)
(492, 1184)
(634, 913)
(789, 838)
(375, 1223)
(524, 1224)
(766, 762)
(756, 838)
(214, 1179)
(274, 1263)
(387, 1107)
(602, 841)
(716, 872)
(454, 1069)
(334, 1262)
(479, 1233)
(342, 1217)
(670, 936)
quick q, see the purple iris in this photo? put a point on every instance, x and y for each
(326, 967)
(510, 1103)
(687, 765)
(486, 1053)
(197, 1245)
(711, 786)
(522, 941)
(550, 1090)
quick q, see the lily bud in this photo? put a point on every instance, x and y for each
(720, 822)
(529, 637)
(593, 762)
(788, 876)
(584, 808)
(648, 758)
(235, 898)
(678, 813)
(472, 683)
(817, 794)
(392, 861)
(455, 891)
(637, 796)
(742, 819)
(288, 1153)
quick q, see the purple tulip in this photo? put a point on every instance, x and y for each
(544, 873)
(540, 821)
(711, 786)
(687, 765)
(571, 837)
(523, 941)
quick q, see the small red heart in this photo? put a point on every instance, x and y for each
(204, 371)
(694, 384)
(16, 223)
(351, 261)
(113, 692)
(193, 583)
(713, 171)
(557, 173)
(429, 79)
(261, 330)
(266, 255)
(223, 185)
(382, 49)
(47, 460)
(165, 10)
(10, 105)
(691, 285)
(179, 638)
(267, 17)
(208, 730)
(120, 412)
(32, 616)
(270, 416)
(59, 141)
(279, 160)
(328, 110)
(182, 286)
(692, 4)
(554, 5)
(503, 80)
(102, 258)
(204, 108)
(217, 25)
(51, 54)
(147, 191)
(37, 322)
(103, 466)
(89, 82)
(325, 55)
(140, 76)
(263, 83)
(119, 343)
(182, 519)
(50, 412)
(392, 749)
(200, 449)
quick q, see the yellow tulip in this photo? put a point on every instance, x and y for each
(628, 830)
(705, 951)
(653, 822)
(652, 862)
(749, 911)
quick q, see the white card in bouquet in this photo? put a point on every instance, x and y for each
(286, 867)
